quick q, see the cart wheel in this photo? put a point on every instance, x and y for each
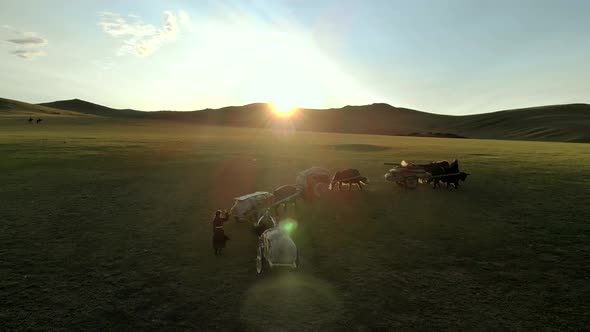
(411, 182)
(259, 257)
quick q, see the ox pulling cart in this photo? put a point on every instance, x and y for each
(407, 175)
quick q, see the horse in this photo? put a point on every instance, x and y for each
(39, 120)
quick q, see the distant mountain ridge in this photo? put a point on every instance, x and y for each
(561, 123)
(9, 107)
(83, 106)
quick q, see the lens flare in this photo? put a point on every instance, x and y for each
(282, 110)
(288, 225)
(286, 301)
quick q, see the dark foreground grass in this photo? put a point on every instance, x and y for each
(106, 226)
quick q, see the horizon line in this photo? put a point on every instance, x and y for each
(305, 108)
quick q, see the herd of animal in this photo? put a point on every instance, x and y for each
(348, 176)
(438, 172)
(39, 120)
(315, 181)
(310, 184)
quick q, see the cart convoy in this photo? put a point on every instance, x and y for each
(275, 246)
(409, 175)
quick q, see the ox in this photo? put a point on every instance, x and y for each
(350, 177)
(284, 192)
(448, 175)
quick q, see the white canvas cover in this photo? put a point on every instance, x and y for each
(407, 170)
(301, 181)
(280, 249)
(247, 204)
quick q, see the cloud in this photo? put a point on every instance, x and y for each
(29, 41)
(28, 44)
(171, 28)
(184, 20)
(115, 25)
(28, 53)
(137, 37)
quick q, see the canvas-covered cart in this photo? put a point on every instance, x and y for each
(313, 182)
(248, 207)
(276, 249)
(407, 175)
(265, 221)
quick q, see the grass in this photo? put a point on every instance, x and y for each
(106, 225)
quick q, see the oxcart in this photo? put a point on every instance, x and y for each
(249, 207)
(265, 221)
(276, 249)
(407, 175)
(284, 196)
(313, 182)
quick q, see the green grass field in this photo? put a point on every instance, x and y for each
(106, 225)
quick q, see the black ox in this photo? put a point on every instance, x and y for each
(444, 172)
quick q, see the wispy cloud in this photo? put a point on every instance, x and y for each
(28, 53)
(117, 26)
(29, 41)
(29, 45)
(140, 38)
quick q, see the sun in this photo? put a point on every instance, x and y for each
(282, 110)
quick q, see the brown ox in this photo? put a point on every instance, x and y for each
(348, 176)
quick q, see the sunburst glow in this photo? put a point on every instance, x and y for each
(283, 110)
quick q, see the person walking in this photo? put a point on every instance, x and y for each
(219, 237)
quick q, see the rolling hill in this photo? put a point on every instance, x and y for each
(82, 106)
(9, 108)
(560, 123)
(566, 123)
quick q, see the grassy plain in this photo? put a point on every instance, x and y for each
(106, 225)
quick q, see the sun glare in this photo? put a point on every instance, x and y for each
(282, 110)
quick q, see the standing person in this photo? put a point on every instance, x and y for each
(219, 237)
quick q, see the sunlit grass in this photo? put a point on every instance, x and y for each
(112, 219)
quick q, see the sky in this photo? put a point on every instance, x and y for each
(441, 56)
